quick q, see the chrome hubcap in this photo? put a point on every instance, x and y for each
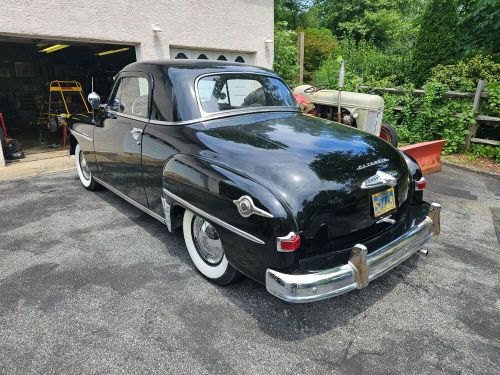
(84, 167)
(207, 241)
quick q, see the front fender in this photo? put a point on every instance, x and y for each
(210, 189)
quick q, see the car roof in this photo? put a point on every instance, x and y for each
(195, 65)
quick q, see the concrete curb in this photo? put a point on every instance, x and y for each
(42, 174)
(469, 169)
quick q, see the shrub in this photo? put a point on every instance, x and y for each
(486, 151)
(286, 53)
(364, 63)
(463, 76)
(319, 44)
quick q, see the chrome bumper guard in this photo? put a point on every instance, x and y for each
(359, 271)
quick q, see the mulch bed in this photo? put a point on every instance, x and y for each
(479, 163)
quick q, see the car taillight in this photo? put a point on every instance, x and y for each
(288, 243)
(420, 184)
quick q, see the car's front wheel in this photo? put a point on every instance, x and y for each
(83, 171)
(205, 249)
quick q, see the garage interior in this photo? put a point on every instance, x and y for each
(27, 67)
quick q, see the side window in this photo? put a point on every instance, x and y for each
(134, 97)
(114, 98)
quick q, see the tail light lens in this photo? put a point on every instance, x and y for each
(288, 243)
(420, 184)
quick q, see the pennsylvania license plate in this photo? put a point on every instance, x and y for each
(383, 202)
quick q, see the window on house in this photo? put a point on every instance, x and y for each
(240, 59)
(222, 58)
(180, 55)
(202, 57)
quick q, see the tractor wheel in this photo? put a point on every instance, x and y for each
(389, 134)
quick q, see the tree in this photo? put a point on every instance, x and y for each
(479, 27)
(436, 40)
(379, 21)
(289, 11)
(319, 44)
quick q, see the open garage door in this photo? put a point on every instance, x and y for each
(232, 56)
(27, 68)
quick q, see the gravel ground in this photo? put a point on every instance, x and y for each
(89, 284)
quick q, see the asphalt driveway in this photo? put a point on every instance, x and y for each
(90, 284)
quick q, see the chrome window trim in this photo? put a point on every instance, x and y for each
(225, 114)
(130, 200)
(84, 136)
(212, 218)
(207, 114)
(119, 114)
(219, 115)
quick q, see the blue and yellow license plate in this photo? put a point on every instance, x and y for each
(383, 202)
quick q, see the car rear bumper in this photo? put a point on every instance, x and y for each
(359, 271)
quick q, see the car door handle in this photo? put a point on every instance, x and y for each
(136, 133)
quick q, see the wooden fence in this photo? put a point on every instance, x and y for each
(479, 96)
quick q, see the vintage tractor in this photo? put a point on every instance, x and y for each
(362, 111)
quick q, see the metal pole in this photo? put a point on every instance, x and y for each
(301, 57)
(340, 85)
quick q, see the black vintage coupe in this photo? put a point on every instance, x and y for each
(309, 207)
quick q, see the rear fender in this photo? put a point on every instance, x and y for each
(209, 189)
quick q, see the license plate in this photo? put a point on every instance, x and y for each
(383, 202)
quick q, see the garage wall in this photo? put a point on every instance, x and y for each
(236, 25)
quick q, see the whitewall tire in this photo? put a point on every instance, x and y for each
(83, 170)
(206, 251)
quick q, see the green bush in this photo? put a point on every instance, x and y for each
(486, 151)
(286, 53)
(364, 64)
(434, 117)
(493, 103)
(319, 44)
(463, 75)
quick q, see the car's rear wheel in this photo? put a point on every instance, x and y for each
(205, 249)
(389, 134)
(83, 171)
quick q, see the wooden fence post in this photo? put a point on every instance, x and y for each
(481, 84)
(301, 57)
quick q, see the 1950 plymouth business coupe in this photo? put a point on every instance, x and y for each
(309, 207)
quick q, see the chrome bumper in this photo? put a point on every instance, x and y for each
(359, 271)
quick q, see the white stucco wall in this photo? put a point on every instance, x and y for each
(234, 25)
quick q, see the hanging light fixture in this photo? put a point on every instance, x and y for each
(55, 47)
(112, 51)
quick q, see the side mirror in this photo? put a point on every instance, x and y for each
(94, 100)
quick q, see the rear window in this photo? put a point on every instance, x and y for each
(225, 92)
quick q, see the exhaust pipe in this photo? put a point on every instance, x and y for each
(424, 252)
